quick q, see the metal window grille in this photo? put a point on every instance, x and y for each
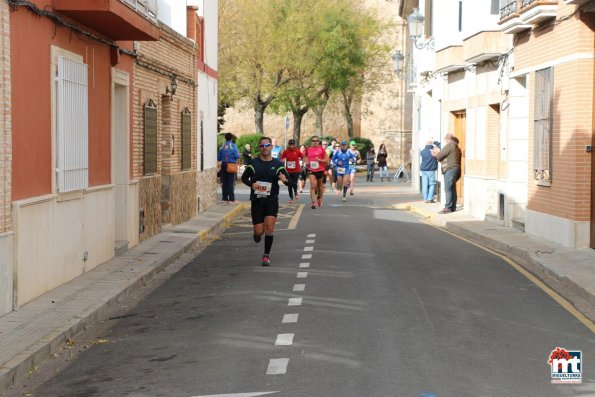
(507, 7)
(186, 139)
(543, 124)
(150, 138)
(147, 8)
(72, 125)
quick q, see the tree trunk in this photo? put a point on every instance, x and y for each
(347, 100)
(259, 107)
(259, 117)
(319, 112)
(298, 115)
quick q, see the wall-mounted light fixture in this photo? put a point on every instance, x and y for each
(416, 30)
(398, 63)
(173, 87)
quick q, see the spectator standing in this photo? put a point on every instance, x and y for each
(371, 162)
(276, 152)
(450, 160)
(228, 154)
(428, 168)
(247, 154)
(382, 166)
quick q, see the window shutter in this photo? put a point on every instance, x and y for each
(186, 139)
(150, 144)
(72, 125)
(542, 123)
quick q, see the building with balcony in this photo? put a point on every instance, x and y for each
(553, 66)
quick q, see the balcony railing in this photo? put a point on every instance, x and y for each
(147, 8)
(525, 3)
(508, 9)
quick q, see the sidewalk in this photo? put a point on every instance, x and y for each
(28, 336)
(570, 273)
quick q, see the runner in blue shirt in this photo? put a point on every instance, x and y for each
(341, 160)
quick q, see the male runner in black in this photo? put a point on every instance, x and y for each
(263, 177)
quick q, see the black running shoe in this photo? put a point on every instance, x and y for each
(257, 238)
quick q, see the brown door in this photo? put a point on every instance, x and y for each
(460, 133)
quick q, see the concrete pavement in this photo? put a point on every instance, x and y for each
(31, 334)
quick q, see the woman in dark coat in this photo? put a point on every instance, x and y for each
(382, 166)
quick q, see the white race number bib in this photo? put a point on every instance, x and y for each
(314, 164)
(263, 189)
(291, 164)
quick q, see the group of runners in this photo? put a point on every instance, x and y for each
(317, 163)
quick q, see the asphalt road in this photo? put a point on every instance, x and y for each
(361, 300)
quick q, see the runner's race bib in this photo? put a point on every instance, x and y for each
(291, 164)
(263, 189)
(340, 170)
(314, 164)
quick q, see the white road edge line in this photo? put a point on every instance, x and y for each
(262, 393)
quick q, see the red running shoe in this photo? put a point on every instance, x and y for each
(319, 202)
(266, 261)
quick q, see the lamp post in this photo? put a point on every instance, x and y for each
(416, 30)
(398, 61)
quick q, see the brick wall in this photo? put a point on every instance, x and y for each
(569, 195)
(164, 197)
(5, 122)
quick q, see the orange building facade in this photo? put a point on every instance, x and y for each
(72, 190)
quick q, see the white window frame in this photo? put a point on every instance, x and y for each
(70, 111)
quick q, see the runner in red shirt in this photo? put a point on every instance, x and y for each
(316, 160)
(292, 156)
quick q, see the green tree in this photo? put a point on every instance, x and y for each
(252, 53)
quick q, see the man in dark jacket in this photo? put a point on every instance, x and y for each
(428, 168)
(450, 160)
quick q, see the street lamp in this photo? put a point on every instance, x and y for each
(398, 60)
(416, 30)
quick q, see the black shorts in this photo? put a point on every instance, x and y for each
(317, 174)
(262, 207)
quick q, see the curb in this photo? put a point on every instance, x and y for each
(19, 366)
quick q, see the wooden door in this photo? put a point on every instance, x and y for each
(460, 133)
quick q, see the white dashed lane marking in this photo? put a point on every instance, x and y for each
(302, 274)
(311, 236)
(290, 318)
(299, 287)
(277, 366)
(295, 302)
(307, 256)
(304, 265)
(310, 241)
(309, 248)
(284, 340)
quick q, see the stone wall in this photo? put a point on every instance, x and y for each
(207, 188)
(149, 207)
(183, 189)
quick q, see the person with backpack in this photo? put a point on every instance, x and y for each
(228, 157)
